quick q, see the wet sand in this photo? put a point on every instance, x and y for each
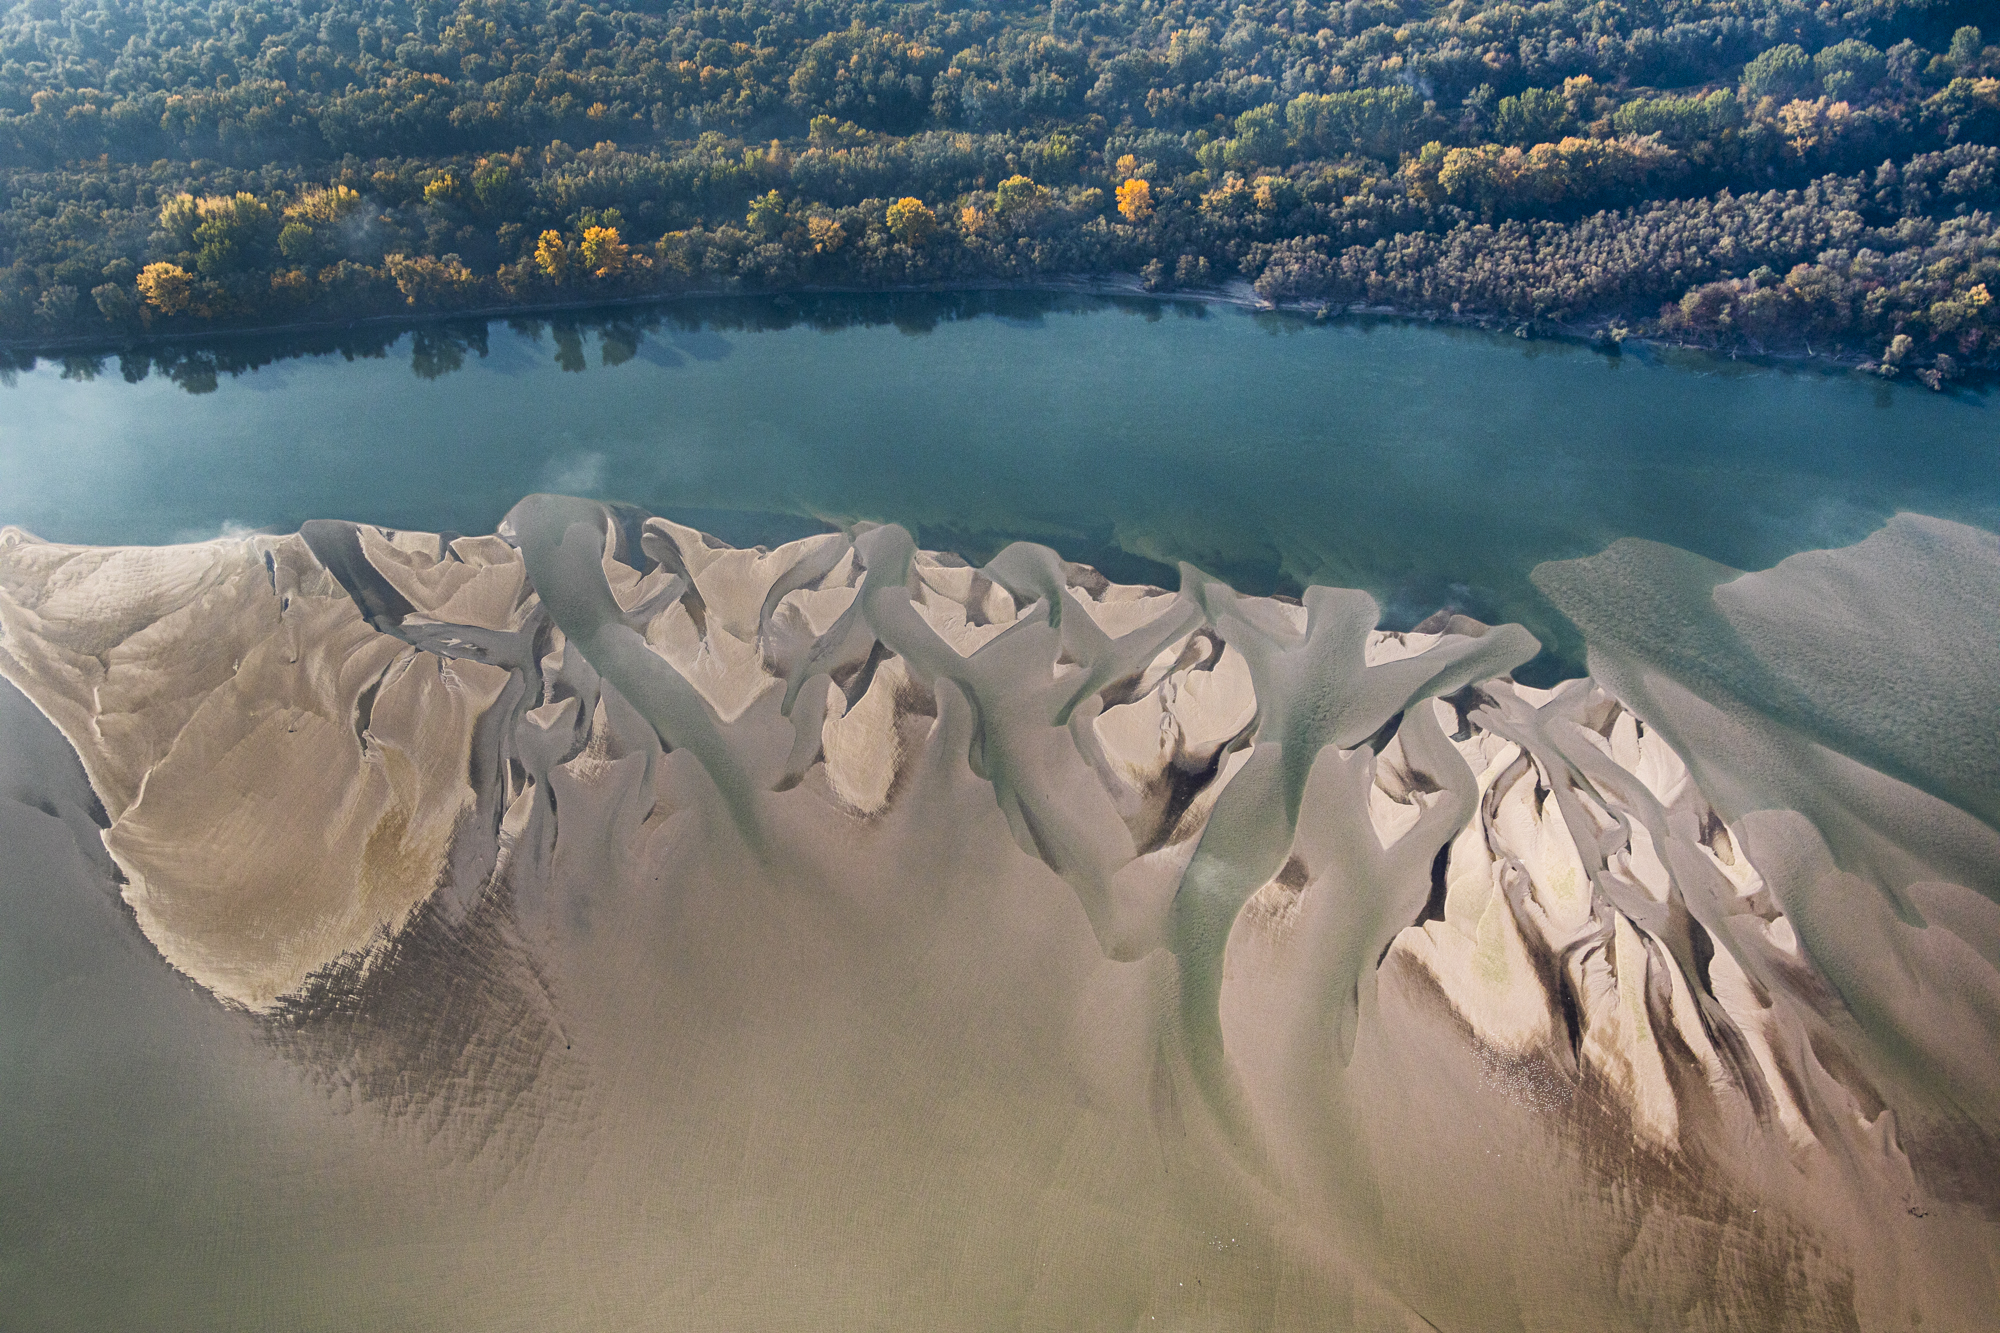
(595, 926)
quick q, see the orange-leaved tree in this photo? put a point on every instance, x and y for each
(1135, 200)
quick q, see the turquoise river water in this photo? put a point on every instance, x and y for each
(1430, 466)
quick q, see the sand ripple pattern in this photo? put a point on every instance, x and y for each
(1705, 945)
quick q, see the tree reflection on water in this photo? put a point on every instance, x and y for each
(665, 335)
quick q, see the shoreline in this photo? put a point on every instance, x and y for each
(1236, 293)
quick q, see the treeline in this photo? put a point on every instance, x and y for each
(1755, 172)
(249, 82)
(1902, 261)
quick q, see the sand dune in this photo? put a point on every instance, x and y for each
(892, 941)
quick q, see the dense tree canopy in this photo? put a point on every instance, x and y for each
(1742, 171)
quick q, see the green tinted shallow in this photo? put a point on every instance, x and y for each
(1429, 466)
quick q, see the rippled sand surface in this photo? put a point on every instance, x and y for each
(594, 926)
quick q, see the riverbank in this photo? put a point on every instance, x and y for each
(1427, 463)
(1612, 333)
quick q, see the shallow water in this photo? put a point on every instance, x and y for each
(908, 1007)
(1430, 466)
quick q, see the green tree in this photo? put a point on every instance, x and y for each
(1782, 71)
(1679, 120)
(1259, 140)
(1191, 55)
(1850, 68)
(768, 216)
(1538, 115)
(1056, 157)
(1969, 109)
(298, 242)
(230, 236)
(494, 189)
(1967, 46)
(1018, 196)
(1380, 122)
(179, 216)
(117, 304)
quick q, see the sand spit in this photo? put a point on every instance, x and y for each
(1077, 924)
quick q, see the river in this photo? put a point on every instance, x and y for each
(1430, 465)
(876, 1071)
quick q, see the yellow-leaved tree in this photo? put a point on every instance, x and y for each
(427, 281)
(554, 257)
(604, 255)
(311, 223)
(910, 221)
(1135, 200)
(324, 206)
(826, 234)
(166, 287)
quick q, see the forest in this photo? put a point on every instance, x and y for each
(1747, 174)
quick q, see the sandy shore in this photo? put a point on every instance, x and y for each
(841, 929)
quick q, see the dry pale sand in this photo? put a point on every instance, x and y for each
(594, 926)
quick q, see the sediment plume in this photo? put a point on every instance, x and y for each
(894, 940)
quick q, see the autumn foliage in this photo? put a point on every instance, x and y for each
(1749, 172)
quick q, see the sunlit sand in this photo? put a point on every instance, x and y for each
(844, 935)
